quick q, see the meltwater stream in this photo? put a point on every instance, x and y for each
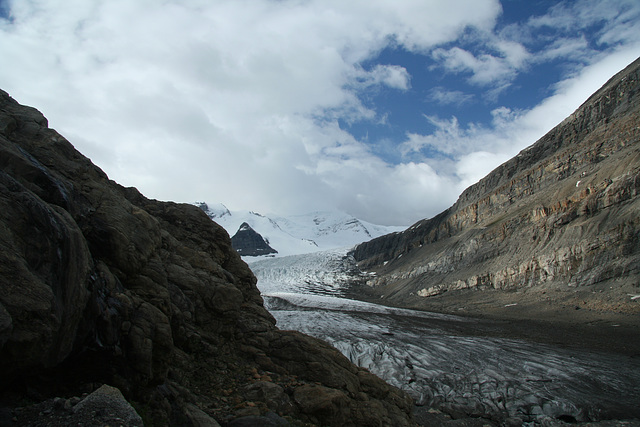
(418, 352)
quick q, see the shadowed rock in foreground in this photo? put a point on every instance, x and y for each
(99, 284)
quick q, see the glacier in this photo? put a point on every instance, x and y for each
(424, 353)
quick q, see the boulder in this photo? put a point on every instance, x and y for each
(322, 402)
(106, 406)
(273, 395)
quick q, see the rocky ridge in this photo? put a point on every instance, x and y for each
(100, 285)
(558, 223)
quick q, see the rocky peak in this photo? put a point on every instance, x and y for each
(248, 242)
(99, 284)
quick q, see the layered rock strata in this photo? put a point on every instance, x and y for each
(99, 284)
(563, 215)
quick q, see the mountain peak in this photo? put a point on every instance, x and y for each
(301, 233)
(247, 242)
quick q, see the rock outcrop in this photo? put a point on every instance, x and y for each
(100, 285)
(562, 216)
(248, 242)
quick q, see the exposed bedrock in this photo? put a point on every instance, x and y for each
(99, 284)
(564, 214)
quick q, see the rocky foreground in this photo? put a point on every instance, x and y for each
(100, 285)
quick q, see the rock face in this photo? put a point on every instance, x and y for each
(563, 215)
(99, 284)
(247, 242)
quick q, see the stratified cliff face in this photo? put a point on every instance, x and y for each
(563, 215)
(99, 284)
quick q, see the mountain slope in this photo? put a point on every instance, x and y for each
(557, 224)
(99, 284)
(299, 234)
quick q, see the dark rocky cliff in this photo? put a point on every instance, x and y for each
(99, 284)
(559, 222)
(248, 242)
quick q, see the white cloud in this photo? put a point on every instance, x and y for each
(233, 101)
(393, 76)
(494, 59)
(618, 21)
(485, 68)
(576, 48)
(445, 96)
(238, 101)
(572, 16)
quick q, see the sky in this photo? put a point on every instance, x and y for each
(386, 110)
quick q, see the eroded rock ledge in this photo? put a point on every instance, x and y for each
(99, 284)
(561, 216)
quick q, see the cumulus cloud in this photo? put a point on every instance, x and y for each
(240, 101)
(235, 101)
(392, 76)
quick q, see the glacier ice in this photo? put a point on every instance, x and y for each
(421, 352)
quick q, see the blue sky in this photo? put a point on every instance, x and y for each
(437, 90)
(383, 109)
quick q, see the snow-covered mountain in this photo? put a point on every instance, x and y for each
(299, 234)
